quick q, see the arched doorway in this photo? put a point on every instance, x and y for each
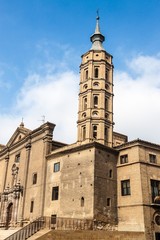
(9, 215)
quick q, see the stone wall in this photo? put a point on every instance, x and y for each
(93, 235)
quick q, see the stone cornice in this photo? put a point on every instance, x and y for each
(137, 142)
(79, 147)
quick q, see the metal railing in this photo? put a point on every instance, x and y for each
(27, 231)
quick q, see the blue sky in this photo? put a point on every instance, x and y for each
(40, 48)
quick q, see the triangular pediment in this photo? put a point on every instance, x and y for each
(20, 133)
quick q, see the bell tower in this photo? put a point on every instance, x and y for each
(95, 115)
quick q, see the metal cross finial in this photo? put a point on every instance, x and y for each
(43, 119)
(97, 14)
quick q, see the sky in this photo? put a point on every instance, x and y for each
(41, 45)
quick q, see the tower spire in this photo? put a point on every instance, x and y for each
(97, 38)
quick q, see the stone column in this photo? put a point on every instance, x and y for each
(28, 150)
(3, 209)
(47, 140)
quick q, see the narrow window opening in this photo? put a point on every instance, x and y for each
(108, 202)
(106, 133)
(85, 103)
(84, 132)
(95, 101)
(106, 103)
(106, 75)
(55, 193)
(94, 132)
(82, 201)
(31, 206)
(34, 178)
(96, 72)
(86, 74)
(110, 173)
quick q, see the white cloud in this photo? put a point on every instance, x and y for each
(55, 95)
(50, 91)
(137, 98)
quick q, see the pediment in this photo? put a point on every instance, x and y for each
(20, 133)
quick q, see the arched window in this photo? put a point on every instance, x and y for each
(86, 74)
(95, 101)
(106, 103)
(96, 72)
(82, 201)
(106, 75)
(94, 132)
(84, 132)
(106, 133)
(85, 103)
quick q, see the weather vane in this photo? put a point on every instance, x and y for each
(43, 119)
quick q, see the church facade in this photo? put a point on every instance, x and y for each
(100, 181)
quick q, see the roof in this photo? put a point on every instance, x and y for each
(137, 142)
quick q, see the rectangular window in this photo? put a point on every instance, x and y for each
(17, 158)
(55, 193)
(32, 206)
(57, 167)
(124, 159)
(155, 189)
(152, 158)
(34, 178)
(125, 188)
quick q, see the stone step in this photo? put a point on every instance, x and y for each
(39, 234)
